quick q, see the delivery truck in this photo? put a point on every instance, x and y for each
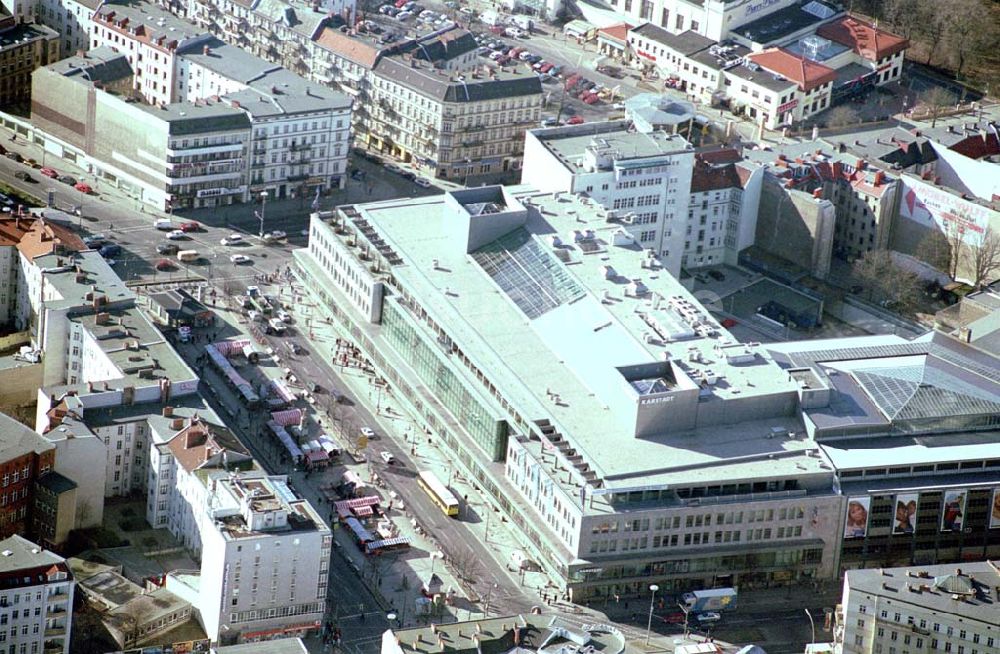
(714, 599)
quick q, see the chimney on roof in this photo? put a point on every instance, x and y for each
(235, 104)
(879, 178)
(195, 437)
(818, 193)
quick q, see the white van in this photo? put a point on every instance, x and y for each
(163, 224)
(185, 256)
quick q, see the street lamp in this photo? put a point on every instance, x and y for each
(260, 216)
(390, 617)
(812, 625)
(652, 599)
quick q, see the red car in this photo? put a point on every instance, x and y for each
(83, 188)
(591, 99)
(673, 618)
(165, 264)
(728, 322)
(190, 226)
(49, 172)
(575, 120)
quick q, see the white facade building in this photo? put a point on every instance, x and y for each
(689, 211)
(36, 603)
(264, 560)
(72, 19)
(150, 40)
(300, 129)
(641, 179)
(920, 609)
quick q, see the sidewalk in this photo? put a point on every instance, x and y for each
(489, 528)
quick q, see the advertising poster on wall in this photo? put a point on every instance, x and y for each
(953, 513)
(995, 510)
(930, 206)
(856, 524)
(905, 514)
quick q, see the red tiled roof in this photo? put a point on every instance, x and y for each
(353, 49)
(705, 177)
(36, 237)
(720, 156)
(806, 73)
(744, 174)
(864, 38)
(978, 146)
(616, 32)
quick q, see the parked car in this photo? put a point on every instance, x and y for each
(275, 235)
(166, 248)
(283, 316)
(368, 432)
(165, 264)
(709, 617)
(575, 120)
(232, 239)
(176, 235)
(110, 250)
(68, 179)
(190, 226)
(24, 176)
(95, 240)
(514, 32)
(392, 168)
(387, 457)
(550, 121)
(239, 259)
(421, 182)
(49, 172)
(717, 275)
(163, 224)
(15, 156)
(83, 188)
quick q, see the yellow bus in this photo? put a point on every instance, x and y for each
(438, 492)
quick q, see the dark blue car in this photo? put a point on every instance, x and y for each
(110, 250)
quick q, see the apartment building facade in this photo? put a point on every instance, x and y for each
(149, 40)
(687, 207)
(71, 19)
(920, 609)
(264, 560)
(300, 129)
(458, 124)
(23, 48)
(26, 457)
(36, 602)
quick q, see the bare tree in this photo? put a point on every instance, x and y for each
(884, 280)
(937, 100)
(466, 565)
(841, 116)
(936, 250)
(984, 257)
(871, 271)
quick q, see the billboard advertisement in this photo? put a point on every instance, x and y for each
(953, 513)
(905, 520)
(932, 206)
(856, 524)
(995, 510)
